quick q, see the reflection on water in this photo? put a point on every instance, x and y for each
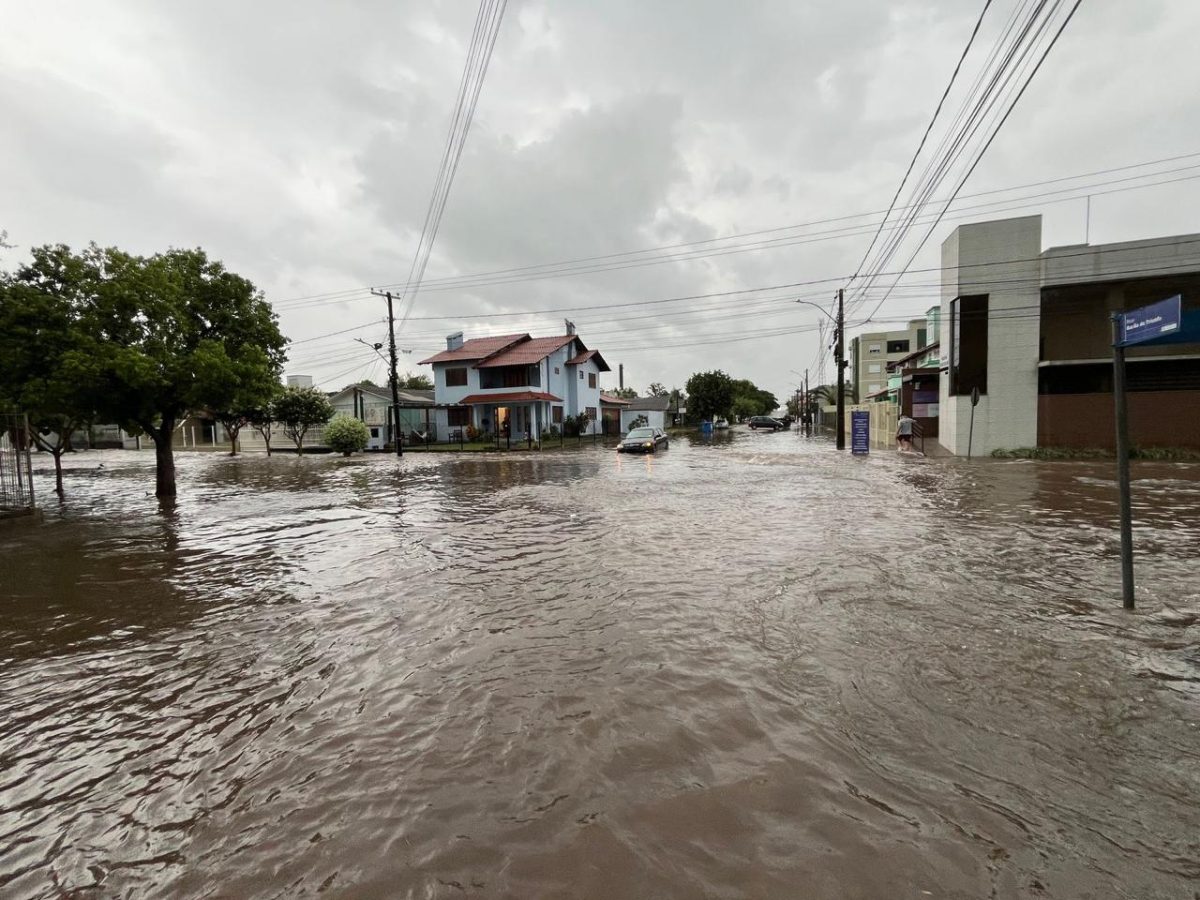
(745, 667)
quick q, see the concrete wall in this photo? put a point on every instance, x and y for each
(1003, 260)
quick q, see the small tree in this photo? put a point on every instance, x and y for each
(625, 393)
(300, 408)
(347, 435)
(262, 420)
(656, 390)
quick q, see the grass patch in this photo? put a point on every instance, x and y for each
(1162, 454)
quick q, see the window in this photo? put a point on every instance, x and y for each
(458, 416)
(968, 344)
(581, 375)
(556, 370)
(591, 379)
(374, 432)
(874, 348)
(556, 415)
(897, 346)
(874, 369)
(874, 388)
(922, 338)
(456, 378)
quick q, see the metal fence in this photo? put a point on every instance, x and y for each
(16, 466)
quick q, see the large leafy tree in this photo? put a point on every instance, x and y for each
(41, 305)
(751, 400)
(710, 394)
(298, 409)
(656, 389)
(172, 334)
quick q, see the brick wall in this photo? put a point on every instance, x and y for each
(1156, 419)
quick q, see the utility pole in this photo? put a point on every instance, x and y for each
(394, 377)
(808, 422)
(841, 372)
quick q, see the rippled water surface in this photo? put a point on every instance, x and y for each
(755, 668)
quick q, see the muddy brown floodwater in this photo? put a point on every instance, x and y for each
(753, 668)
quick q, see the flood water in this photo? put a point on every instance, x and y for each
(752, 668)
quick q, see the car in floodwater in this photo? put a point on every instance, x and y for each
(643, 440)
(757, 422)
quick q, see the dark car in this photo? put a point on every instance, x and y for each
(643, 440)
(757, 422)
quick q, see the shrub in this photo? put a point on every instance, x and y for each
(347, 435)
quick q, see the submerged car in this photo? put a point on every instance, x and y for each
(643, 440)
(758, 422)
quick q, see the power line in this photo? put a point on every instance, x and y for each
(480, 279)
(988, 143)
(925, 136)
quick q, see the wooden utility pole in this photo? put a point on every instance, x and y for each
(394, 377)
(841, 372)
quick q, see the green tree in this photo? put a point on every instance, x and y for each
(298, 409)
(755, 401)
(172, 334)
(656, 390)
(262, 420)
(347, 435)
(627, 393)
(242, 391)
(40, 309)
(413, 382)
(710, 394)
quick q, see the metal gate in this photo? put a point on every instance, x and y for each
(16, 466)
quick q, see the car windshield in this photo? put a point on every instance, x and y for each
(641, 433)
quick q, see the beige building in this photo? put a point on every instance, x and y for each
(870, 354)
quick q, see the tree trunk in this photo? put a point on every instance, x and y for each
(164, 457)
(58, 485)
(233, 439)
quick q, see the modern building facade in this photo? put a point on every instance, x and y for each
(515, 384)
(1031, 330)
(870, 354)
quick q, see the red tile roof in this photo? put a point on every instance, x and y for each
(614, 401)
(510, 397)
(526, 353)
(590, 354)
(476, 348)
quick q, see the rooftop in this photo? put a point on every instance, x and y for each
(476, 348)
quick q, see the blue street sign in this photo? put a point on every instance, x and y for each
(860, 431)
(1158, 320)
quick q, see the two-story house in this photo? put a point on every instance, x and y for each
(515, 384)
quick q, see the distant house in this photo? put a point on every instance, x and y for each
(610, 413)
(373, 407)
(516, 384)
(653, 409)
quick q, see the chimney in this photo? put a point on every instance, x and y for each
(454, 341)
(621, 375)
(570, 326)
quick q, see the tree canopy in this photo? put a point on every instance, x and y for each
(710, 394)
(298, 409)
(153, 339)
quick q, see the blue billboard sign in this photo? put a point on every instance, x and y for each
(860, 431)
(1158, 320)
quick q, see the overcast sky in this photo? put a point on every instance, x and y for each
(298, 142)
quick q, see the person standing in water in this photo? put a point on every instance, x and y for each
(904, 433)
